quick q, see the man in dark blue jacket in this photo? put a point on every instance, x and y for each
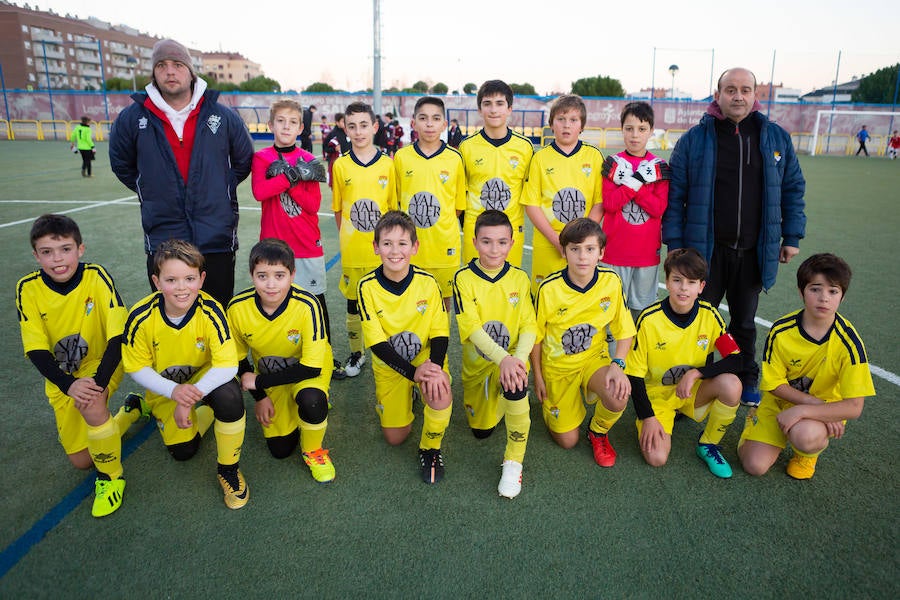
(184, 154)
(736, 195)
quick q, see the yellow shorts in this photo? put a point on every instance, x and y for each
(164, 412)
(350, 279)
(665, 409)
(567, 393)
(482, 397)
(283, 398)
(444, 277)
(761, 424)
(394, 395)
(515, 253)
(545, 260)
(71, 428)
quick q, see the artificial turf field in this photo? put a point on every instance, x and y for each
(576, 530)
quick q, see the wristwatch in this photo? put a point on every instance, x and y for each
(618, 361)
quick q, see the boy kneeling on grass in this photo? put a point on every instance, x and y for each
(815, 375)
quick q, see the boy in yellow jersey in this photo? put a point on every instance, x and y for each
(363, 190)
(671, 366)
(497, 327)
(71, 318)
(564, 183)
(431, 188)
(178, 345)
(496, 160)
(815, 375)
(283, 326)
(570, 360)
(405, 324)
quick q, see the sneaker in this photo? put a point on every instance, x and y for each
(510, 479)
(237, 493)
(712, 456)
(432, 465)
(354, 364)
(107, 496)
(320, 465)
(750, 396)
(338, 373)
(802, 467)
(135, 401)
(604, 454)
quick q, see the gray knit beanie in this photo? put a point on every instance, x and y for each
(172, 50)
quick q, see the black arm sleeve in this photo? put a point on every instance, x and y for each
(48, 367)
(389, 356)
(730, 364)
(110, 362)
(642, 406)
(439, 350)
(292, 374)
(244, 366)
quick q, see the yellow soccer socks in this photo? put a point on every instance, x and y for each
(720, 417)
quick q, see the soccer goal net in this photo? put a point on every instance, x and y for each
(836, 130)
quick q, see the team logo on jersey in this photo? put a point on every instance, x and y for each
(444, 176)
(213, 123)
(562, 311)
(364, 214)
(499, 333)
(777, 156)
(796, 362)
(674, 374)
(605, 303)
(549, 171)
(703, 341)
(495, 194)
(578, 338)
(70, 351)
(425, 209)
(200, 344)
(514, 298)
(568, 204)
(634, 214)
(470, 410)
(383, 181)
(88, 306)
(479, 162)
(586, 169)
(407, 344)
(514, 161)
(348, 181)
(293, 336)
(409, 173)
(142, 123)
(422, 306)
(660, 345)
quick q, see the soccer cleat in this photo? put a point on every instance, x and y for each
(510, 479)
(107, 496)
(712, 456)
(354, 364)
(135, 401)
(432, 465)
(750, 396)
(338, 373)
(604, 454)
(320, 465)
(237, 493)
(802, 467)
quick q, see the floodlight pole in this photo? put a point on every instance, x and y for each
(837, 73)
(376, 67)
(771, 86)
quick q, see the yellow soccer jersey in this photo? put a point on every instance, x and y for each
(362, 193)
(500, 305)
(663, 351)
(571, 321)
(295, 333)
(180, 353)
(564, 186)
(407, 314)
(431, 189)
(832, 369)
(73, 321)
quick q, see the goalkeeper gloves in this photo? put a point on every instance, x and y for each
(277, 167)
(619, 171)
(650, 171)
(313, 170)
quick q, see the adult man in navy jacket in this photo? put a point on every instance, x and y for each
(736, 195)
(184, 154)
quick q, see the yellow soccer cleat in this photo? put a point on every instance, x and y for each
(107, 496)
(320, 465)
(802, 467)
(237, 493)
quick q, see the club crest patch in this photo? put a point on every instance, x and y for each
(422, 306)
(200, 344)
(586, 169)
(142, 123)
(703, 341)
(605, 303)
(383, 181)
(514, 298)
(293, 336)
(213, 122)
(88, 306)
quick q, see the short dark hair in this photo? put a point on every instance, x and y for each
(396, 218)
(580, 229)
(272, 251)
(834, 268)
(338, 116)
(492, 218)
(56, 226)
(427, 100)
(359, 107)
(181, 250)
(492, 87)
(686, 261)
(640, 110)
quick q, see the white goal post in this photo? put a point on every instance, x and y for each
(855, 113)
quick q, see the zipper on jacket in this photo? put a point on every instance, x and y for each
(740, 198)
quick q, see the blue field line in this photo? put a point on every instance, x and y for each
(16, 551)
